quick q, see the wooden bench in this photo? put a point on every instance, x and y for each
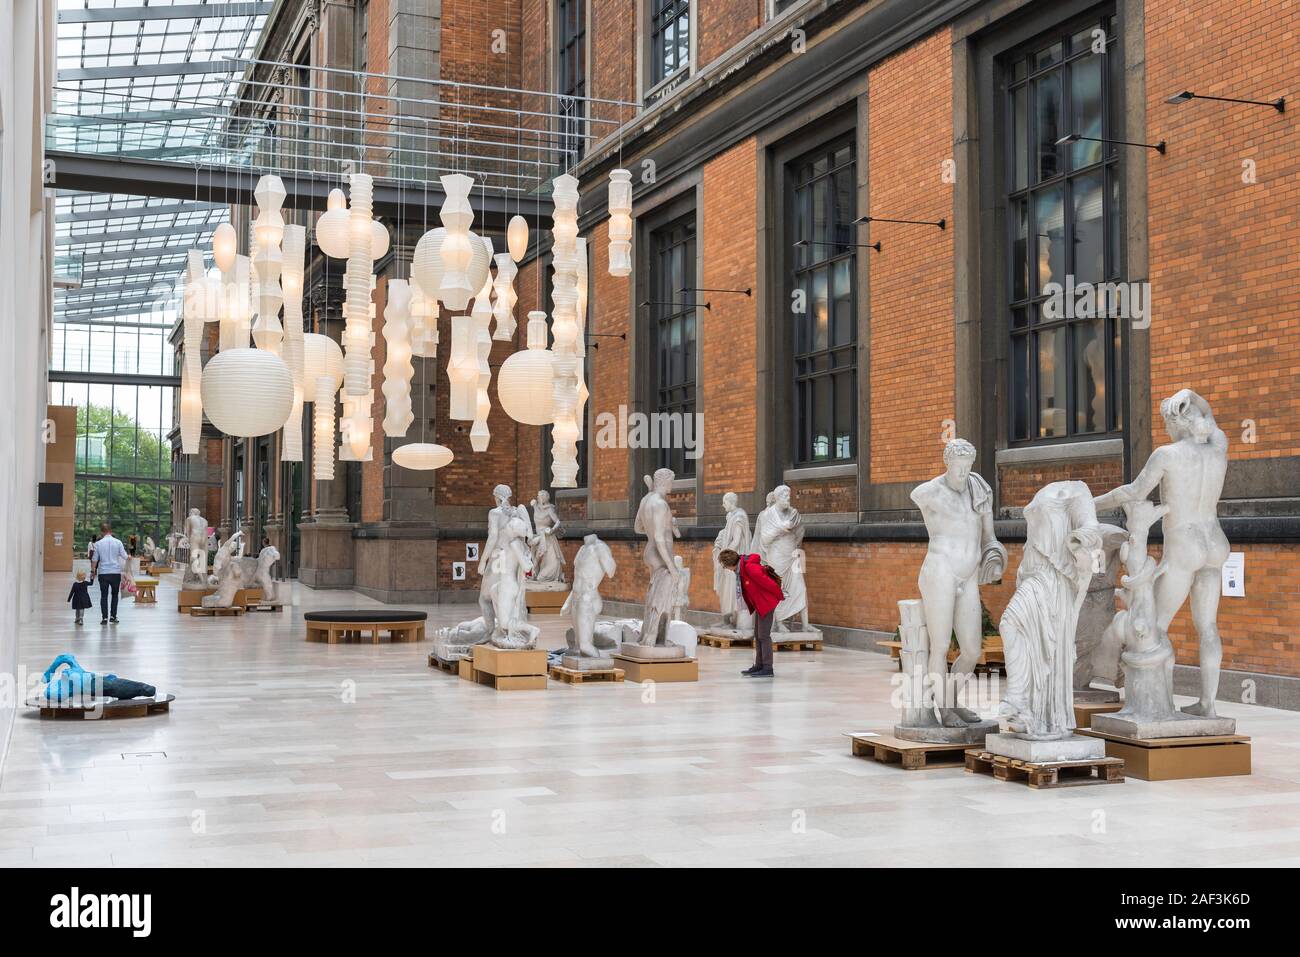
(354, 624)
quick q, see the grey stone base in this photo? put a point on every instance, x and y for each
(651, 652)
(325, 578)
(720, 631)
(431, 596)
(546, 586)
(1179, 726)
(809, 634)
(1095, 696)
(1074, 748)
(975, 734)
(579, 663)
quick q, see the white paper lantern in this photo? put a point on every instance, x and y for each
(462, 370)
(525, 378)
(357, 282)
(480, 263)
(322, 464)
(379, 240)
(356, 427)
(424, 322)
(247, 392)
(481, 315)
(268, 233)
(517, 238)
(620, 222)
(583, 286)
(503, 309)
(332, 227)
(397, 360)
(322, 357)
(294, 348)
(422, 455)
(426, 264)
(225, 243)
(565, 334)
(193, 316)
(457, 250)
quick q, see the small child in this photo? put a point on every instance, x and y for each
(80, 595)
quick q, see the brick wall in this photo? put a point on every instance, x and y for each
(613, 56)
(825, 495)
(721, 24)
(1225, 278)
(909, 136)
(729, 356)
(1017, 484)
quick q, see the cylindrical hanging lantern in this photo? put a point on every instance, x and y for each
(620, 222)
(225, 243)
(268, 233)
(397, 360)
(358, 281)
(322, 455)
(517, 238)
(294, 348)
(503, 309)
(457, 251)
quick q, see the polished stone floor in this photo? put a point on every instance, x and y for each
(279, 752)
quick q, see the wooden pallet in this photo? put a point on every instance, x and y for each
(1175, 759)
(511, 682)
(448, 667)
(200, 611)
(1050, 774)
(796, 644)
(509, 670)
(571, 677)
(128, 708)
(910, 755)
(725, 641)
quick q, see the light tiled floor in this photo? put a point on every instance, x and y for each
(280, 752)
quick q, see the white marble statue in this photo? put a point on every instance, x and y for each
(196, 534)
(510, 562)
(262, 579)
(778, 537)
(962, 554)
(231, 549)
(592, 565)
(654, 520)
(548, 558)
(682, 591)
(498, 518)
(734, 536)
(152, 551)
(1189, 472)
(1063, 543)
(228, 581)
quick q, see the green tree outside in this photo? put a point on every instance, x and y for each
(111, 443)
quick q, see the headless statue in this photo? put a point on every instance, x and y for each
(592, 565)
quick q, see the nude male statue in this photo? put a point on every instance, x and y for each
(1189, 471)
(963, 554)
(592, 565)
(654, 519)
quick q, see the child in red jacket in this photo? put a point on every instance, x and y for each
(760, 587)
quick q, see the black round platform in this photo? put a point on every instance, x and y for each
(365, 615)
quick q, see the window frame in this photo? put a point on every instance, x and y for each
(1110, 165)
(654, 9)
(574, 127)
(678, 233)
(807, 261)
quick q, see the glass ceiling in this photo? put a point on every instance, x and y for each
(131, 76)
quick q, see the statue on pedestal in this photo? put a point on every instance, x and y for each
(262, 579)
(498, 519)
(548, 558)
(229, 579)
(654, 519)
(963, 553)
(1189, 472)
(682, 590)
(587, 649)
(196, 534)
(230, 550)
(510, 562)
(734, 537)
(778, 537)
(1063, 544)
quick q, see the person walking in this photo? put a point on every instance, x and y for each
(80, 596)
(108, 559)
(760, 588)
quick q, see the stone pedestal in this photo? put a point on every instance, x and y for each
(651, 652)
(1074, 748)
(974, 734)
(580, 663)
(1177, 725)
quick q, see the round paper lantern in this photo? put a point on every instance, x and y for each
(524, 381)
(224, 246)
(422, 455)
(426, 265)
(247, 392)
(517, 237)
(322, 356)
(332, 227)
(378, 241)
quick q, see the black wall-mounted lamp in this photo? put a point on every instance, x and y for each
(1076, 137)
(740, 292)
(1279, 104)
(813, 242)
(941, 223)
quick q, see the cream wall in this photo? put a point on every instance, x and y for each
(26, 244)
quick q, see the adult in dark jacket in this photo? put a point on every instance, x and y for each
(760, 588)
